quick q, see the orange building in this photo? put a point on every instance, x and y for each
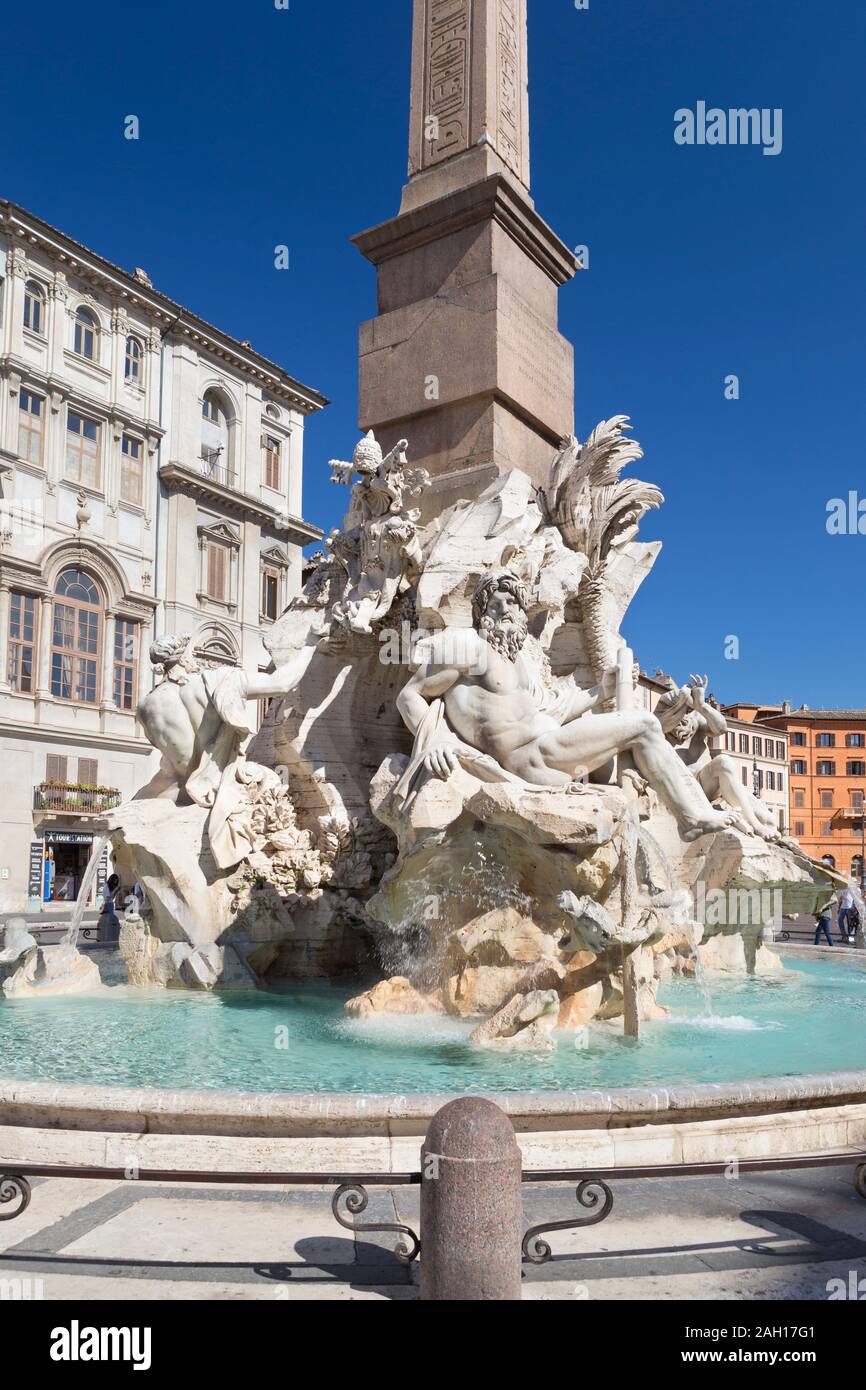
(827, 772)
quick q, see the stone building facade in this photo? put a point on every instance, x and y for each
(827, 762)
(151, 474)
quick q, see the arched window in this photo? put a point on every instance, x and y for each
(857, 868)
(215, 459)
(134, 360)
(86, 334)
(34, 307)
(829, 860)
(76, 638)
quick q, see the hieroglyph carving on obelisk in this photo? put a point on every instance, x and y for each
(469, 82)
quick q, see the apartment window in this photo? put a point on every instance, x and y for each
(799, 800)
(76, 638)
(216, 571)
(56, 768)
(857, 867)
(31, 415)
(780, 750)
(857, 769)
(798, 740)
(771, 781)
(270, 595)
(799, 827)
(757, 747)
(780, 781)
(744, 743)
(21, 663)
(86, 334)
(131, 470)
(210, 409)
(34, 307)
(731, 742)
(133, 361)
(273, 468)
(798, 767)
(856, 800)
(88, 772)
(82, 449)
(826, 741)
(826, 829)
(855, 740)
(758, 775)
(825, 769)
(826, 801)
(829, 860)
(125, 663)
(769, 747)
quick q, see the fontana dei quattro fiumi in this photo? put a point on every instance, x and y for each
(461, 854)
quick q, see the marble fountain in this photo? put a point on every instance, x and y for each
(460, 856)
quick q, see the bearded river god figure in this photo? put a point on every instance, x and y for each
(479, 692)
(456, 781)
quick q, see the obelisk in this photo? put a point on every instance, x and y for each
(465, 358)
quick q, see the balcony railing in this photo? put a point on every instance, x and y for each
(66, 797)
(218, 473)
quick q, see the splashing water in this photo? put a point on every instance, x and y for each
(701, 978)
(71, 937)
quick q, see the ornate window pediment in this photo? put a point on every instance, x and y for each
(220, 531)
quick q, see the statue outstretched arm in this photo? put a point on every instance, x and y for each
(578, 702)
(716, 723)
(284, 680)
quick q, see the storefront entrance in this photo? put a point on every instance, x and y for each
(62, 857)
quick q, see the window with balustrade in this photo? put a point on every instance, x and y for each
(76, 639)
(215, 440)
(21, 656)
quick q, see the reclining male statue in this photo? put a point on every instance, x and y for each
(477, 700)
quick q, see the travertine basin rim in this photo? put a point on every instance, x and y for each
(43, 1105)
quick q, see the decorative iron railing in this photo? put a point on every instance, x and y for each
(217, 473)
(67, 798)
(594, 1195)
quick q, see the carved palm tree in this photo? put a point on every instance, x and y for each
(597, 513)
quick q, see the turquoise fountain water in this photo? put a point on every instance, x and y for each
(811, 1019)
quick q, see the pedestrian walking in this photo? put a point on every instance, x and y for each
(823, 919)
(847, 930)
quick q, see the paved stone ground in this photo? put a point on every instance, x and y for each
(762, 1237)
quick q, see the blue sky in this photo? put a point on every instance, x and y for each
(261, 126)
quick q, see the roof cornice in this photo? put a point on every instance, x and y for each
(173, 317)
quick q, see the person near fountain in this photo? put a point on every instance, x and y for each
(109, 922)
(847, 914)
(478, 691)
(823, 918)
(198, 721)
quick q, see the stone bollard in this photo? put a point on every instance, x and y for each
(471, 1205)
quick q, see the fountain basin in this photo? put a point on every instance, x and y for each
(290, 1128)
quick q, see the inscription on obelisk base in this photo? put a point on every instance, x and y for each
(465, 358)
